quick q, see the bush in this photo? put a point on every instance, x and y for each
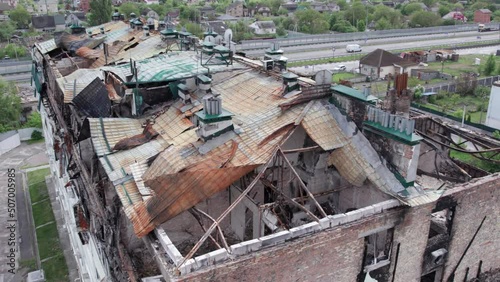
(34, 120)
(36, 135)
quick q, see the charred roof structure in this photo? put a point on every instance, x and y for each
(187, 168)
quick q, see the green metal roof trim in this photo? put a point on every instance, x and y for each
(225, 115)
(412, 139)
(341, 89)
(164, 68)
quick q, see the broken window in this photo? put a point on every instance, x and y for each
(84, 237)
(376, 260)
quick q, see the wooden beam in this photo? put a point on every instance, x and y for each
(198, 218)
(302, 184)
(228, 210)
(268, 183)
(300, 150)
(223, 239)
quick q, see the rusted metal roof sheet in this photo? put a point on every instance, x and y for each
(88, 53)
(171, 123)
(131, 142)
(117, 165)
(83, 78)
(182, 191)
(138, 169)
(128, 193)
(106, 132)
(323, 128)
(350, 164)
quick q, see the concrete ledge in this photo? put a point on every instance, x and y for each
(201, 261)
(354, 215)
(325, 223)
(367, 211)
(245, 247)
(188, 267)
(337, 219)
(275, 238)
(389, 204)
(308, 228)
(217, 256)
(169, 247)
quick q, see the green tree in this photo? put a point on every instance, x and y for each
(393, 16)
(355, 13)
(34, 120)
(429, 3)
(11, 106)
(361, 25)
(382, 24)
(20, 16)
(280, 31)
(161, 10)
(424, 19)
(129, 7)
(274, 5)
(101, 11)
(489, 67)
(443, 10)
(311, 21)
(13, 50)
(342, 4)
(6, 30)
(411, 8)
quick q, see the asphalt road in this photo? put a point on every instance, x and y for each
(297, 53)
(26, 76)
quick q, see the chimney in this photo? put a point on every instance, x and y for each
(290, 82)
(146, 31)
(204, 83)
(212, 105)
(116, 16)
(183, 93)
(213, 121)
(392, 135)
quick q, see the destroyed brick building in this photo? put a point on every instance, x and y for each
(193, 164)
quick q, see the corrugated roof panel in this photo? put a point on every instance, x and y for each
(94, 100)
(323, 128)
(113, 130)
(46, 46)
(171, 123)
(128, 193)
(138, 170)
(83, 78)
(350, 164)
(118, 163)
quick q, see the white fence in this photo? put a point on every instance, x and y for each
(12, 139)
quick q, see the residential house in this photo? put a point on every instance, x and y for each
(207, 11)
(48, 23)
(4, 7)
(260, 9)
(324, 7)
(291, 7)
(389, 4)
(227, 18)
(482, 16)
(263, 27)
(150, 2)
(174, 14)
(218, 27)
(379, 64)
(405, 66)
(46, 7)
(455, 15)
(237, 9)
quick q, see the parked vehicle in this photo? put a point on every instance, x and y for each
(482, 28)
(339, 68)
(353, 48)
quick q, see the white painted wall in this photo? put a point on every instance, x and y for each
(25, 133)
(493, 114)
(92, 263)
(9, 143)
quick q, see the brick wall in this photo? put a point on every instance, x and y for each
(332, 255)
(336, 254)
(473, 202)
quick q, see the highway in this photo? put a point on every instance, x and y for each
(298, 53)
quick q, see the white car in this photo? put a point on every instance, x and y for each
(339, 68)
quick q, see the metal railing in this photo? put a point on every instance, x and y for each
(343, 37)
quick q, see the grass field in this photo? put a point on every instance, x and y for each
(344, 76)
(55, 267)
